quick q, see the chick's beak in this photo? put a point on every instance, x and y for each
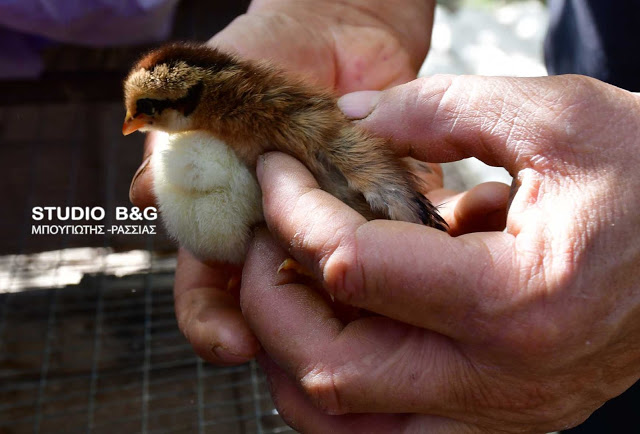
(132, 124)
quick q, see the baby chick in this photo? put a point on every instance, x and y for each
(254, 108)
(209, 200)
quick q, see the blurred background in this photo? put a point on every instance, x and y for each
(88, 338)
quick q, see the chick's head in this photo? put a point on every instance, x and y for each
(164, 90)
(162, 97)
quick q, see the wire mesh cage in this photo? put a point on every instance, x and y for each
(107, 354)
(88, 337)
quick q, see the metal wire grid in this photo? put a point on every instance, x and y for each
(105, 354)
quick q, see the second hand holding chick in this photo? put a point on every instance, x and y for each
(254, 108)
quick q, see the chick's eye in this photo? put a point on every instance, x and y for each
(145, 106)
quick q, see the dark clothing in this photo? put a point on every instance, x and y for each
(619, 416)
(597, 38)
(600, 39)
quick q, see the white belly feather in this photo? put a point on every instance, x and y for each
(208, 199)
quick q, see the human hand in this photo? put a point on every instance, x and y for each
(347, 46)
(526, 330)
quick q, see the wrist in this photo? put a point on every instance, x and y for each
(409, 21)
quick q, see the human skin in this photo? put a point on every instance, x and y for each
(344, 45)
(525, 330)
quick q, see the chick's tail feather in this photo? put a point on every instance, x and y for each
(361, 171)
(429, 213)
(401, 200)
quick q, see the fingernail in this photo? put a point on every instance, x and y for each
(260, 167)
(228, 357)
(140, 171)
(359, 105)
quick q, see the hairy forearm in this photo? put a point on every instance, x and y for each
(410, 21)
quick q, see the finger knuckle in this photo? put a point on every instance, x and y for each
(536, 338)
(440, 92)
(321, 384)
(342, 273)
(572, 106)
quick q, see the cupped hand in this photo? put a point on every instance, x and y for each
(346, 46)
(525, 330)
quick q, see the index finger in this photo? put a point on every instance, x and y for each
(502, 121)
(408, 272)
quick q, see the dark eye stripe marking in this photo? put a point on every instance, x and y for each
(147, 106)
(187, 104)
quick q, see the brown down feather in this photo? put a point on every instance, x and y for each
(255, 107)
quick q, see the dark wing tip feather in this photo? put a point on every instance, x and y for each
(429, 214)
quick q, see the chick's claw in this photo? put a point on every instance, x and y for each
(233, 285)
(290, 264)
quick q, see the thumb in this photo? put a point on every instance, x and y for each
(498, 120)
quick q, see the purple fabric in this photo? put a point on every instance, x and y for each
(19, 55)
(90, 22)
(27, 25)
